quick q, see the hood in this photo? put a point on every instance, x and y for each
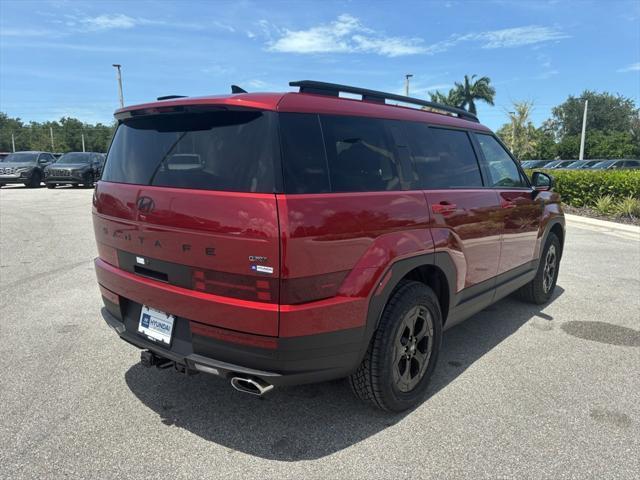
(15, 165)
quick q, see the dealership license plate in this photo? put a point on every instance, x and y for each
(156, 325)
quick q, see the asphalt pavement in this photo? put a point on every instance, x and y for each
(519, 391)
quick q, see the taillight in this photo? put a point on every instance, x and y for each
(245, 287)
(108, 254)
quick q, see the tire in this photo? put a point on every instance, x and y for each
(51, 185)
(540, 289)
(36, 178)
(381, 380)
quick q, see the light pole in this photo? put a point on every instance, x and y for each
(406, 84)
(119, 76)
(584, 127)
(513, 130)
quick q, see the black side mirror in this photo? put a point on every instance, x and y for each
(542, 182)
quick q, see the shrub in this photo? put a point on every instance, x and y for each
(628, 207)
(605, 205)
(581, 188)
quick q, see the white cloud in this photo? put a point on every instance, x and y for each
(519, 36)
(634, 67)
(108, 22)
(120, 21)
(346, 34)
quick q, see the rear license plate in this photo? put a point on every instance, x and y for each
(156, 325)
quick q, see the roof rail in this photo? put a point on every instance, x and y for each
(334, 89)
(169, 97)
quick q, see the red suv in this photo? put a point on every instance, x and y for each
(280, 239)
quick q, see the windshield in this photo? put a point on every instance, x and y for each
(230, 150)
(20, 158)
(75, 157)
(603, 165)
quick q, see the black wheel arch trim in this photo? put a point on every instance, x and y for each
(558, 220)
(399, 270)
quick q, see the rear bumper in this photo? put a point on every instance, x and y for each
(275, 359)
(294, 361)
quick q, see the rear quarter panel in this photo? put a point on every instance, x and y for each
(360, 234)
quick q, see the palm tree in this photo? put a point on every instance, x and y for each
(470, 91)
(452, 99)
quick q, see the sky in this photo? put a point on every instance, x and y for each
(56, 56)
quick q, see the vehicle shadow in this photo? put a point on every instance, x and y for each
(311, 421)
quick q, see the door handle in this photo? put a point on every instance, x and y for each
(444, 208)
(507, 204)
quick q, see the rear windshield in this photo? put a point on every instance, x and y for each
(230, 151)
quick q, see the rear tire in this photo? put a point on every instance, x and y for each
(36, 178)
(540, 289)
(51, 185)
(395, 372)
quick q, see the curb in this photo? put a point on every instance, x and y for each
(620, 227)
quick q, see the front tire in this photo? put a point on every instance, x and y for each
(36, 178)
(540, 290)
(395, 372)
(51, 185)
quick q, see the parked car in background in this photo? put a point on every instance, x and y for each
(582, 164)
(535, 163)
(75, 168)
(280, 239)
(617, 164)
(559, 164)
(24, 167)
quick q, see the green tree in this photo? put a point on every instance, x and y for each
(465, 94)
(519, 134)
(606, 112)
(450, 99)
(545, 148)
(471, 90)
(67, 135)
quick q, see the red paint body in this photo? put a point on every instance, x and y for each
(344, 243)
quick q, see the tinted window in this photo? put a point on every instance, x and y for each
(443, 158)
(304, 162)
(231, 151)
(503, 171)
(360, 154)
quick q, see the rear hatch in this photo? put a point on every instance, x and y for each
(187, 199)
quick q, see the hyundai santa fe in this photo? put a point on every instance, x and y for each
(286, 238)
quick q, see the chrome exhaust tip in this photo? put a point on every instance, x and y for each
(252, 386)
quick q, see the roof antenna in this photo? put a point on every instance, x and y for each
(237, 89)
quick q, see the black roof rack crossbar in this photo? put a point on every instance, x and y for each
(169, 97)
(334, 89)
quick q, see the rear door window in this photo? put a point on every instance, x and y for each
(443, 158)
(360, 154)
(502, 169)
(227, 150)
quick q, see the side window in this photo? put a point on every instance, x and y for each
(304, 162)
(360, 154)
(503, 171)
(443, 158)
